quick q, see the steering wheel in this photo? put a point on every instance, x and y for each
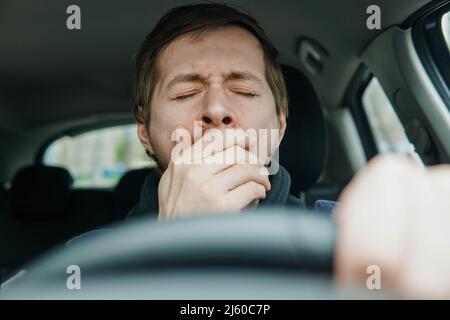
(273, 253)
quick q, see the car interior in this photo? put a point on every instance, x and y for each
(60, 83)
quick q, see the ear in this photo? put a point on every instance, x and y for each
(142, 132)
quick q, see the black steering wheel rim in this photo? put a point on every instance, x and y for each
(271, 241)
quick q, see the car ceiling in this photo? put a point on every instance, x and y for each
(50, 74)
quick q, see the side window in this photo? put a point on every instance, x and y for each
(431, 38)
(446, 28)
(387, 130)
(98, 158)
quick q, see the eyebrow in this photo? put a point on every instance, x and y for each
(243, 75)
(231, 76)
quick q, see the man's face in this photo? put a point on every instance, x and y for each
(216, 78)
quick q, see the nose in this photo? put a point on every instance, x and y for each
(217, 110)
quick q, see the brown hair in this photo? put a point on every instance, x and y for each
(195, 19)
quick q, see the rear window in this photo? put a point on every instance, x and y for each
(99, 158)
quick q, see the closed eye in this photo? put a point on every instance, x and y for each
(185, 96)
(245, 93)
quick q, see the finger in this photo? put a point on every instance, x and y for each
(230, 157)
(239, 174)
(215, 140)
(245, 194)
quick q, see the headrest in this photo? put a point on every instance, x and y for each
(303, 149)
(40, 193)
(128, 190)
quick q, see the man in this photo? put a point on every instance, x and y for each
(211, 66)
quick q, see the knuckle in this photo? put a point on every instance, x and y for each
(256, 170)
(259, 173)
(257, 190)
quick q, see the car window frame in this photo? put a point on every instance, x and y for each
(431, 47)
(353, 100)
